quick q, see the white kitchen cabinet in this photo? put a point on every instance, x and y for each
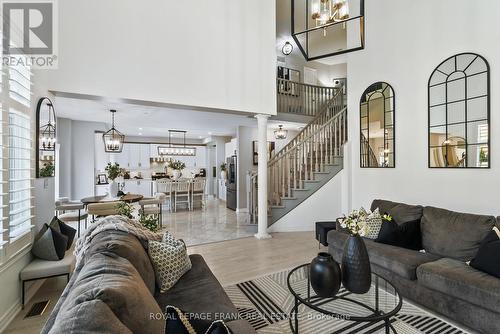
(144, 162)
(140, 187)
(122, 158)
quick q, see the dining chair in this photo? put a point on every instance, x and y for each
(103, 209)
(153, 206)
(71, 211)
(165, 186)
(182, 196)
(198, 191)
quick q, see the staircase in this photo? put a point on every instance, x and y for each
(309, 160)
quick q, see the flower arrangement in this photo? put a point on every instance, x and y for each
(355, 222)
(176, 165)
(114, 171)
(47, 170)
(223, 167)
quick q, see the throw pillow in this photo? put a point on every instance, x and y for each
(49, 244)
(179, 322)
(64, 229)
(406, 235)
(486, 259)
(170, 261)
(168, 238)
(374, 223)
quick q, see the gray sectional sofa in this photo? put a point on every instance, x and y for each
(440, 278)
(115, 292)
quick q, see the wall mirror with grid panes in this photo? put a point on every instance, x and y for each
(459, 113)
(377, 110)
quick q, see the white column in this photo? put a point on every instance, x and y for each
(262, 177)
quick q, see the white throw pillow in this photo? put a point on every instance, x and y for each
(170, 261)
(374, 223)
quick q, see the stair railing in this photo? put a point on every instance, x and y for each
(292, 167)
(300, 98)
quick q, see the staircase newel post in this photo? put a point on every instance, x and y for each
(262, 179)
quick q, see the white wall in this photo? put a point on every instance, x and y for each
(324, 205)
(406, 40)
(218, 54)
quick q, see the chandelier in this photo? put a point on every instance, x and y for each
(48, 132)
(176, 150)
(113, 139)
(329, 11)
(320, 28)
(280, 133)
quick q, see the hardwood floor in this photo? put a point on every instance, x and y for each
(231, 261)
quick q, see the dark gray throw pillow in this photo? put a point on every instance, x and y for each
(486, 259)
(406, 235)
(64, 229)
(49, 244)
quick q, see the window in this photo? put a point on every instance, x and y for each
(17, 173)
(459, 113)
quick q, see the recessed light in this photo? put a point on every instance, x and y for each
(140, 129)
(140, 134)
(210, 133)
(200, 137)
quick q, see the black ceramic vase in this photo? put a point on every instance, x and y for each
(325, 275)
(356, 271)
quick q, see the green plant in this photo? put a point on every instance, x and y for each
(483, 156)
(176, 165)
(47, 170)
(113, 170)
(125, 209)
(150, 222)
(223, 167)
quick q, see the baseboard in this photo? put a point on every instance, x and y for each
(7, 318)
(13, 311)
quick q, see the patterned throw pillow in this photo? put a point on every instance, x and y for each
(168, 238)
(170, 261)
(49, 244)
(179, 322)
(374, 222)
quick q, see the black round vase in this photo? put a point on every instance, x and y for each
(325, 275)
(356, 271)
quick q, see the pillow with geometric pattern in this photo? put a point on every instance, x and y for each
(49, 244)
(180, 322)
(170, 261)
(374, 223)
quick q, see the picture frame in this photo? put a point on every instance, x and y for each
(102, 179)
(255, 151)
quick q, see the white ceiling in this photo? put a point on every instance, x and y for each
(150, 121)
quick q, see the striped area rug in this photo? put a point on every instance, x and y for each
(266, 302)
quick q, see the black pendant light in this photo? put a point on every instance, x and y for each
(113, 139)
(48, 131)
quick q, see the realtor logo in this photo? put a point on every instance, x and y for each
(29, 33)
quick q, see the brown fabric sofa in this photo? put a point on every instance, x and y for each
(115, 292)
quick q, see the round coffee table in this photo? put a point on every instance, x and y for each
(378, 305)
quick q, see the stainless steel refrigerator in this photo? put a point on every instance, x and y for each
(231, 188)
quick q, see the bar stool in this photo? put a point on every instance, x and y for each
(68, 211)
(198, 190)
(181, 194)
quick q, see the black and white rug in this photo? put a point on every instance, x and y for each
(266, 302)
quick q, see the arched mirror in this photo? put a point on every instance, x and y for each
(459, 113)
(45, 138)
(377, 109)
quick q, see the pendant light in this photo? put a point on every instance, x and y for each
(287, 48)
(48, 132)
(172, 150)
(113, 139)
(280, 133)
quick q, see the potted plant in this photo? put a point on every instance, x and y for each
(223, 172)
(47, 170)
(114, 171)
(356, 271)
(176, 166)
(150, 222)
